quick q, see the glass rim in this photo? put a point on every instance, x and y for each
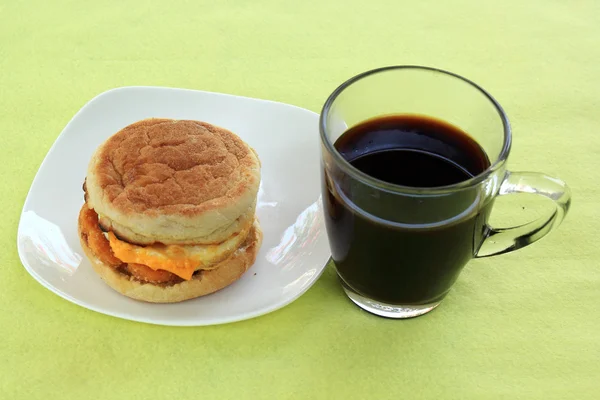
(361, 176)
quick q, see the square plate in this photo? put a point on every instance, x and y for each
(294, 250)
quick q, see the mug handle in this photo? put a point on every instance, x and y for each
(504, 240)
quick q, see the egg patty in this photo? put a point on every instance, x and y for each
(181, 260)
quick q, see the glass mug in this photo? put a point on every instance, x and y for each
(398, 249)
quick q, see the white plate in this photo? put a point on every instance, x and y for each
(294, 251)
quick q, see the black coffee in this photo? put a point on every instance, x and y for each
(405, 263)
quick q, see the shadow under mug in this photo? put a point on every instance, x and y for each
(398, 250)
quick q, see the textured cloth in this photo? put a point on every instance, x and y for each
(521, 326)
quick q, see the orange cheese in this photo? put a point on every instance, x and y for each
(181, 260)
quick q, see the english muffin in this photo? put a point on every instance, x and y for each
(169, 209)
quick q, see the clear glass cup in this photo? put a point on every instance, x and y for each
(398, 250)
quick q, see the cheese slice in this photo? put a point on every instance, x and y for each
(181, 260)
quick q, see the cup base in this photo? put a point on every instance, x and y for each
(394, 311)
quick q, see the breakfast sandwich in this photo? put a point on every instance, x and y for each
(169, 211)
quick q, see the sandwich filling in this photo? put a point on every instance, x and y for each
(156, 263)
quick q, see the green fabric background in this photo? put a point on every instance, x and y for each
(521, 326)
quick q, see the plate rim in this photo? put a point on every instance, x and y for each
(153, 321)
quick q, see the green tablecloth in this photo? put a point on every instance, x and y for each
(525, 325)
